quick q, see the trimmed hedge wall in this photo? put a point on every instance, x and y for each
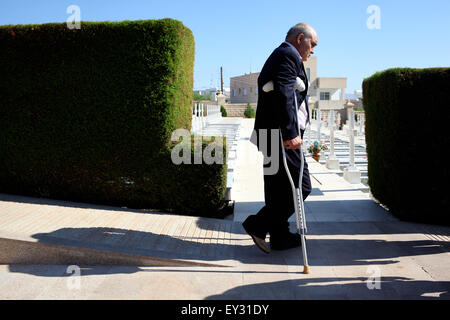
(407, 136)
(87, 115)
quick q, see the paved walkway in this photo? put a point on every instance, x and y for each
(353, 245)
(329, 190)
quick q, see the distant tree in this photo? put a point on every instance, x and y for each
(249, 112)
(198, 97)
(201, 97)
(223, 110)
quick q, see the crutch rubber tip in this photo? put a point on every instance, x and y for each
(306, 269)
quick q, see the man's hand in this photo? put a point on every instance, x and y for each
(295, 143)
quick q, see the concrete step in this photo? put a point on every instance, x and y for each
(360, 161)
(45, 231)
(231, 165)
(346, 154)
(229, 128)
(14, 251)
(230, 179)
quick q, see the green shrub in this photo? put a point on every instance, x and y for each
(406, 133)
(200, 97)
(202, 186)
(249, 112)
(87, 115)
(223, 110)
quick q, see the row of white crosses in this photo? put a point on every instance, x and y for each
(351, 172)
(333, 161)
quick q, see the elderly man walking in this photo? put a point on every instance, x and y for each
(276, 113)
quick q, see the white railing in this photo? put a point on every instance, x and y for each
(202, 115)
(198, 118)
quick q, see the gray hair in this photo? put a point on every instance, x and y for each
(300, 28)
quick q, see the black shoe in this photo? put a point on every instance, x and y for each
(259, 242)
(285, 241)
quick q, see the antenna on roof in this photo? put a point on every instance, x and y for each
(221, 80)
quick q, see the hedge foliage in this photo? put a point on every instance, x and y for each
(249, 112)
(87, 115)
(407, 136)
(223, 111)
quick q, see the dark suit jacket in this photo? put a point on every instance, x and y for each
(276, 109)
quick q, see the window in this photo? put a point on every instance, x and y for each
(324, 96)
(308, 73)
(239, 91)
(245, 91)
(234, 92)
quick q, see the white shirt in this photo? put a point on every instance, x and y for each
(302, 114)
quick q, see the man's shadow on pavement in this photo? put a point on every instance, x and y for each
(360, 288)
(232, 243)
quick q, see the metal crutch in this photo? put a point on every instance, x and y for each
(298, 195)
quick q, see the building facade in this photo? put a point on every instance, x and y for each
(244, 89)
(324, 93)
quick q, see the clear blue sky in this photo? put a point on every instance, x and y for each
(240, 35)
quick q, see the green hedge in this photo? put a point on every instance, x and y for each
(407, 117)
(87, 114)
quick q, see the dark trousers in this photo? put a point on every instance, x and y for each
(279, 199)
